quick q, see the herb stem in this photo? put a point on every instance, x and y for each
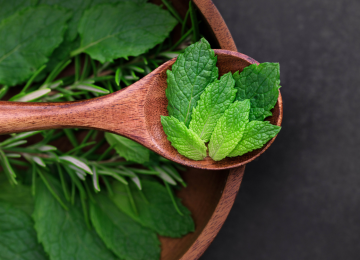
(172, 198)
(172, 10)
(194, 21)
(47, 184)
(131, 199)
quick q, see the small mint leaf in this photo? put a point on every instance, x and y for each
(260, 84)
(185, 140)
(213, 102)
(189, 76)
(256, 134)
(229, 130)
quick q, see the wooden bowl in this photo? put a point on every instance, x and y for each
(210, 194)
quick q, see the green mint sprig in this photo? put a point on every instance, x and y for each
(215, 117)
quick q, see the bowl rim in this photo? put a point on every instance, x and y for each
(233, 181)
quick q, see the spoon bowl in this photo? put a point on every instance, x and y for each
(133, 112)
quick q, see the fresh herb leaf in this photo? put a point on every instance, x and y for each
(185, 140)
(229, 130)
(189, 76)
(260, 84)
(19, 196)
(213, 102)
(155, 208)
(17, 235)
(64, 234)
(133, 30)
(77, 8)
(124, 236)
(256, 134)
(8, 8)
(130, 150)
(28, 38)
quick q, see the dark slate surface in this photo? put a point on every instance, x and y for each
(301, 199)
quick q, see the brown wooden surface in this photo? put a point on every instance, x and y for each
(133, 112)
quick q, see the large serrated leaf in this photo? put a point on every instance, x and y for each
(216, 98)
(229, 130)
(189, 76)
(122, 30)
(64, 234)
(27, 39)
(185, 140)
(155, 208)
(125, 237)
(17, 236)
(260, 84)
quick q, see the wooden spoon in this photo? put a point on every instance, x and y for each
(133, 112)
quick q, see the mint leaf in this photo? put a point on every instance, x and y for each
(229, 130)
(256, 134)
(71, 39)
(130, 150)
(155, 208)
(260, 84)
(8, 8)
(19, 196)
(216, 98)
(124, 236)
(190, 74)
(133, 30)
(28, 38)
(17, 235)
(64, 233)
(76, 7)
(185, 140)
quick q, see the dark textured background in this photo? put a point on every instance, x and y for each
(301, 199)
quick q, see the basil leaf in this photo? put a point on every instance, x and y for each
(64, 234)
(28, 38)
(124, 236)
(155, 208)
(17, 235)
(133, 30)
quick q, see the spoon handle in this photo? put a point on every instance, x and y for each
(121, 112)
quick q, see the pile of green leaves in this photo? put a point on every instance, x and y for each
(105, 197)
(228, 113)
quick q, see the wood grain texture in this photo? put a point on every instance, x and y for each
(133, 112)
